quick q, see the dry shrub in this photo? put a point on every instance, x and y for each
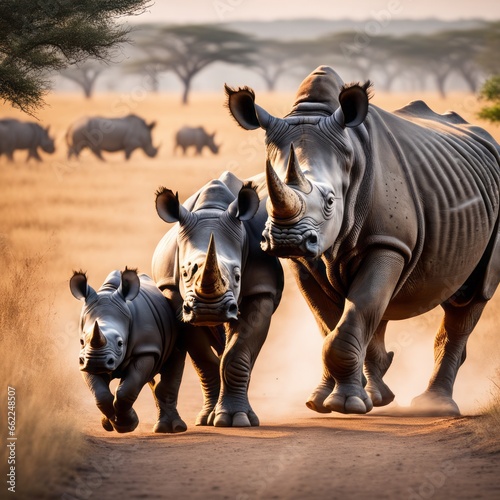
(486, 426)
(47, 439)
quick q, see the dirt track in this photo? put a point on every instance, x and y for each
(299, 457)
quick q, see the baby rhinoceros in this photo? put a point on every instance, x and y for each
(127, 331)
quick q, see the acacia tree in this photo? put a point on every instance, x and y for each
(84, 74)
(37, 37)
(187, 50)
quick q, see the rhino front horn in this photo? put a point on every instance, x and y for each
(211, 283)
(294, 175)
(97, 340)
(283, 202)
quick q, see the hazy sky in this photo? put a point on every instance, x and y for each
(179, 11)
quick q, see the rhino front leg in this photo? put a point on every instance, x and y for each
(449, 354)
(99, 386)
(206, 364)
(377, 362)
(136, 376)
(245, 339)
(166, 393)
(344, 349)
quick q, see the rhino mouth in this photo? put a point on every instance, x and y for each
(202, 312)
(286, 242)
(97, 364)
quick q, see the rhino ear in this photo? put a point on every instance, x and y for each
(129, 284)
(241, 105)
(354, 99)
(78, 285)
(246, 205)
(168, 206)
(152, 125)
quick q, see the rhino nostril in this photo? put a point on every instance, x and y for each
(187, 308)
(233, 308)
(110, 362)
(313, 239)
(195, 268)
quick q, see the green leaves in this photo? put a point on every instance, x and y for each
(46, 35)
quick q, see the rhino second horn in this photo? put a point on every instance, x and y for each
(294, 175)
(97, 340)
(285, 203)
(211, 283)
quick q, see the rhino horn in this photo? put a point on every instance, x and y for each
(294, 174)
(285, 203)
(97, 340)
(211, 283)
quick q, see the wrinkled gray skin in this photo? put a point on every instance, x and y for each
(110, 134)
(128, 331)
(385, 216)
(15, 134)
(211, 266)
(196, 137)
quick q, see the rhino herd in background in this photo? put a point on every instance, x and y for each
(98, 134)
(382, 216)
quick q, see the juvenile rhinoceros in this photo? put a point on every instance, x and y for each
(385, 215)
(211, 266)
(196, 137)
(110, 134)
(15, 134)
(127, 331)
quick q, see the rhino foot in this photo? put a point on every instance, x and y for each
(379, 392)
(126, 423)
(317, 398)
(107, 425)
(435, 404)
(237, 419)
(170, 426)
(204, 417)
(348, 398)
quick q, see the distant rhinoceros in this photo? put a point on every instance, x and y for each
(110, 134)
(16, 134)
(127, 331)
(212, 268)
(197, 137)
(385, 216)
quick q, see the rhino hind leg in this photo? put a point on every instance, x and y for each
(449, 354)
(318, 396)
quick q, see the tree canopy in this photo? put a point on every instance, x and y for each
(37, 37)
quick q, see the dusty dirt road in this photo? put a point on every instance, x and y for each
(302, 456)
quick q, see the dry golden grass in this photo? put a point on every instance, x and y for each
(62, 215)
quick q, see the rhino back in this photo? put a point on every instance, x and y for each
(435, 188)
(22, 135)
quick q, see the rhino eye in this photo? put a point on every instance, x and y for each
(120, 343)
(237, 278)
(184, 273)
(82, 342)
(330, 200)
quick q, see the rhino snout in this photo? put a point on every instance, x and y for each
(200, 312)
(101, 365)
(290, 243)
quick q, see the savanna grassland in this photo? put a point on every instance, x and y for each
(62, 215)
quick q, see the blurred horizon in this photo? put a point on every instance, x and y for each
(203, 11)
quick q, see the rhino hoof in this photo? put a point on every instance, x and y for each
(174, 427)
(349, 404)
(432, 404)
(379, 393)
(240, 419)
(223, 420)
(315, 405)
(106, 424)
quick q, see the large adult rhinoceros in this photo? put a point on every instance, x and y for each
(196, 137)
(110, 134)
(385, 215)
(211, 266)
(128, 331)
(16, 134)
